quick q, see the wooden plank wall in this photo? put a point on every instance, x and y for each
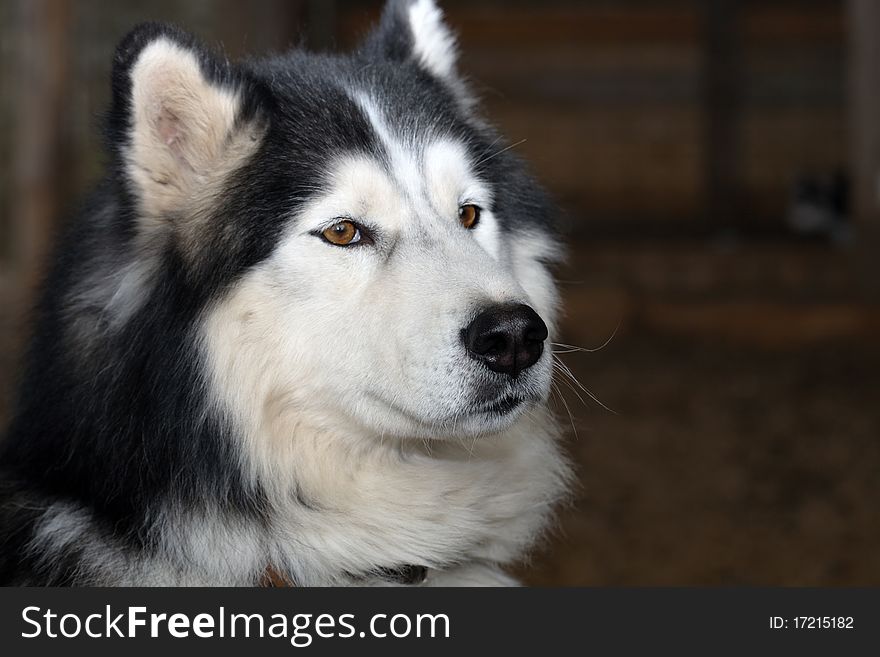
(864, 136)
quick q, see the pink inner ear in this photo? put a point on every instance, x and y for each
(168, 127)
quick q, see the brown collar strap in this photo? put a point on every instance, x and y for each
(406, 575)
(274, 580)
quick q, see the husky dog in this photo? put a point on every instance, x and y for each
(299, 329)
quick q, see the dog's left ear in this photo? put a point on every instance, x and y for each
(415, 30)
(183, 120)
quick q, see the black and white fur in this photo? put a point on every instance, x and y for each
(213, 389)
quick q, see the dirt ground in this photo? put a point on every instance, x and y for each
(724, 465)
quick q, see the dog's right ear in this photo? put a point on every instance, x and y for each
(415, 30)
(182, 120)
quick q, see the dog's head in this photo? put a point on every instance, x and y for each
(368, 252)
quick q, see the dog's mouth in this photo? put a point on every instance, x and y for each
(503, 405)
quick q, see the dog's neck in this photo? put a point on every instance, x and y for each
(379, 506)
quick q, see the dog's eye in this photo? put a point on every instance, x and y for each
(469, 216)
(344, 233)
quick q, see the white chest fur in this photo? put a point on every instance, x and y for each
(360, 506)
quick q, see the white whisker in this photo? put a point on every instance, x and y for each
(497, 153)
(567, 372)
(569, 348)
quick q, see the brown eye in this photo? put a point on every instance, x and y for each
(343, 233)
(469, 216)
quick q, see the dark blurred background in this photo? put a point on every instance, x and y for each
(719, 167)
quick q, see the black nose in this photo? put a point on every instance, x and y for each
(507, 339)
